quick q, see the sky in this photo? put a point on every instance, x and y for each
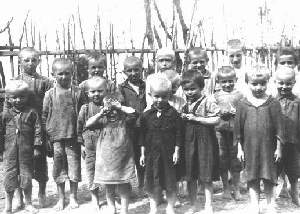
(224, 19)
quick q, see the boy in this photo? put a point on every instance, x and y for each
(60, 109)
(227, 100)
(198, 59)
(134, 95)
(20, 140)
(29, 59)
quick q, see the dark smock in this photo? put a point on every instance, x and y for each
(138, 102)
(89, 138)
(20, 135)
(201, 145)
(258, 129)
(159, 136)
(290, 107)
(38, 85)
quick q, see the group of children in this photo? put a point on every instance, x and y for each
(195, 127)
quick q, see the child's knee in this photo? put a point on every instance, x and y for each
(110, 190)
(123, 189)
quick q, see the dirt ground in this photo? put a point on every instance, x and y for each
(141, 205)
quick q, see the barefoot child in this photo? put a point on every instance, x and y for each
(290, 107)
(20, 143)
(258, 134)
(133, 92)
(59, 119)
(201, 146)
(88, 137)
(160, 138)
(114, 160)
(29, 59)
(227, 99)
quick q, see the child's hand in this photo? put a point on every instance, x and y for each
(36, 153)
(277, 155)
(175, 157)
(142, 160)
(190, 117)
(1, 156)
(240, 153)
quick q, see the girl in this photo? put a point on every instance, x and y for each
(200, 144)
(114, 161)
(88, 137)
(258, 134)
(160, 139)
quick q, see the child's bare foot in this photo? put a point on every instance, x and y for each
(153, 211)
(31, 209)
(226, 194)
(42, 200)
(208, 209)
(60, 205)
(177, 204)
(237, 195)
(295, 198)
(110, 210)
(73, 203)
(170, 210)
(19, 205)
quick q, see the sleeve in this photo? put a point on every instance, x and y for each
(83, 99)
(80, 124)
(142, 127)
(37, 130)
(277, 121)
(2, 133)
(238, 130)
(212, 108)
(179, 131)
(46, 109)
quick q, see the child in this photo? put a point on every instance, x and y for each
(88, 137)
(160, 138)
(114, 160)
(198, 59)
(21, 142)
(258, 134)
(227, 100)
(290, 106)
(201, 146)
(134, 95)
(29, 59)
(60, 108)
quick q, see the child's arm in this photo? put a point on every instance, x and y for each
(142, 136)
(38, 143)
(45, 112)
(179, 139)
(277, 120)
(80, 124)
(142, 158)
(240, 153)
(238, 132)
(95, 119)
(2, 133)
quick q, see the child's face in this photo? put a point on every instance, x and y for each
(165, 62)
(287, 61)
(160, 97)
(96, 68)
(192, 91)
(97, 93)
(227, 84)
(175, 87)
(198, 64)
(133, 72)
(19, 100)
(113, 115)
(235, 59)
(29, 61)
(258, 87)
(63, 74)
(285, 85)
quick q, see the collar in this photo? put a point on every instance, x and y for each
(289, 97)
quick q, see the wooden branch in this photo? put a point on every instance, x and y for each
(47, 58)
(7, 25)
(80, 25)
(11, 58)
(23, 29)
(181, 19)
(163, 25)
(149, 33)
(158, 40)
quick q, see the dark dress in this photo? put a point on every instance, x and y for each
(159, 136)
(89, 138)
(138, 102)
(38, 85)
(201, 146)
(20, 135)
(290, 107)
(257, 129)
